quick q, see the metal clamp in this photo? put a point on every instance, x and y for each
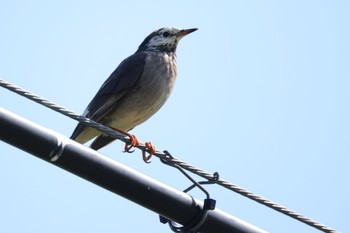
(209, 204)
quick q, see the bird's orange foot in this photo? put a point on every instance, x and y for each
(133, 142)
(150, 149)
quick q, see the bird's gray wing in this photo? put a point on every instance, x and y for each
(120, 82)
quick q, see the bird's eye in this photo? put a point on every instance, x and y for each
(166, 34)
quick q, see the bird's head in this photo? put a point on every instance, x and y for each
(164, 39)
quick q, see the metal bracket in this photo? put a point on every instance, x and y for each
(209, 204)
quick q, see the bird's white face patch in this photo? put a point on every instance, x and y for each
(165, 36)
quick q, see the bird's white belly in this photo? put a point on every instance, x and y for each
(129, 117)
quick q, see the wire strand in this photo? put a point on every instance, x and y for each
(171, 159)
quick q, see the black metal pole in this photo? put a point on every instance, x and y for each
(113, 176)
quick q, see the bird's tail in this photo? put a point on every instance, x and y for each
(82, 134)
(101, 141)
(77, 131)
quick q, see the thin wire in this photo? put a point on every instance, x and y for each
(164, 156)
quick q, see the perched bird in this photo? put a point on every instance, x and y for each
(136, 89)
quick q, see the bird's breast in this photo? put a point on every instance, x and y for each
(156, 83)
(150, 93)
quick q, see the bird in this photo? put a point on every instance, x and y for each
(135, 90)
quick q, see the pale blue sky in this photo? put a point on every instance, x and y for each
(262, 97)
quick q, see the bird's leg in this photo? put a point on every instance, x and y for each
(134, 142)
(150, 148)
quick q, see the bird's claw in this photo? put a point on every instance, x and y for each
(134, 142)
(150, 149)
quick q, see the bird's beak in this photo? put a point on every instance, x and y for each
(184, 32)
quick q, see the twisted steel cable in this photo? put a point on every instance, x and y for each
(168, 158)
